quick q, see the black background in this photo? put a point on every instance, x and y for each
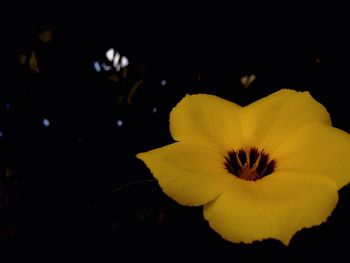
(76, 185)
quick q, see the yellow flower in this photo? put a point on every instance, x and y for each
(262, 171)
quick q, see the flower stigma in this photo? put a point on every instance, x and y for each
(249, 165)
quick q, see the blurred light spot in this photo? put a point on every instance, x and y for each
(246, 80)
(154, 110)
(124, 62)
(106, 67)
(120, 123)
(110, 54)
(46, 122)
(113, 77)
(7, 106)
(33, 63)
(163, 82)
(97, 66)
(1, 134)
(46, 36)
(22, 58)
(318, 61)
(8, 172)
(116, 59)
(119, 61)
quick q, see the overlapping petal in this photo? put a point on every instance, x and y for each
(190, 174)
(317, 148)
(275, 207)
(207, 120)
(269, 121)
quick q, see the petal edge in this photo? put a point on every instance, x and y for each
(277, 207)
(189, 174)
(207, 120)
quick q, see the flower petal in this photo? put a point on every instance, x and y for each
(207, 120)
(190, 174)
(317, 148)
(274, 207)
(268, 122)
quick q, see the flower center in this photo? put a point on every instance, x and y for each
(249, 165)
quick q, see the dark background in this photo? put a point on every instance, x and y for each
(77, 183)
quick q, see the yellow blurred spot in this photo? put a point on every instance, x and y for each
(246, 80)
(33, 63)
(8, 172)
(113, 77)
(22, 59)
(46, 36)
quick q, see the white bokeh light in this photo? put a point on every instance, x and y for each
(124, 62)
(119, 123)
(46, 122)
(116, 60)
(106, 67)
(110, 54)
(97, 66)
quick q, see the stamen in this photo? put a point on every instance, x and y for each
(232, 163)
(270, 167)
(262, 163)
(242, 157)
(253, 156)
(249, 165)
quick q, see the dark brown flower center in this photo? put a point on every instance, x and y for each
(249, 165)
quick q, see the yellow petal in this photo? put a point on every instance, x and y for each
(266, 123)
(317, 148)
(207, 120)
(274, 207)
(189, 174)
